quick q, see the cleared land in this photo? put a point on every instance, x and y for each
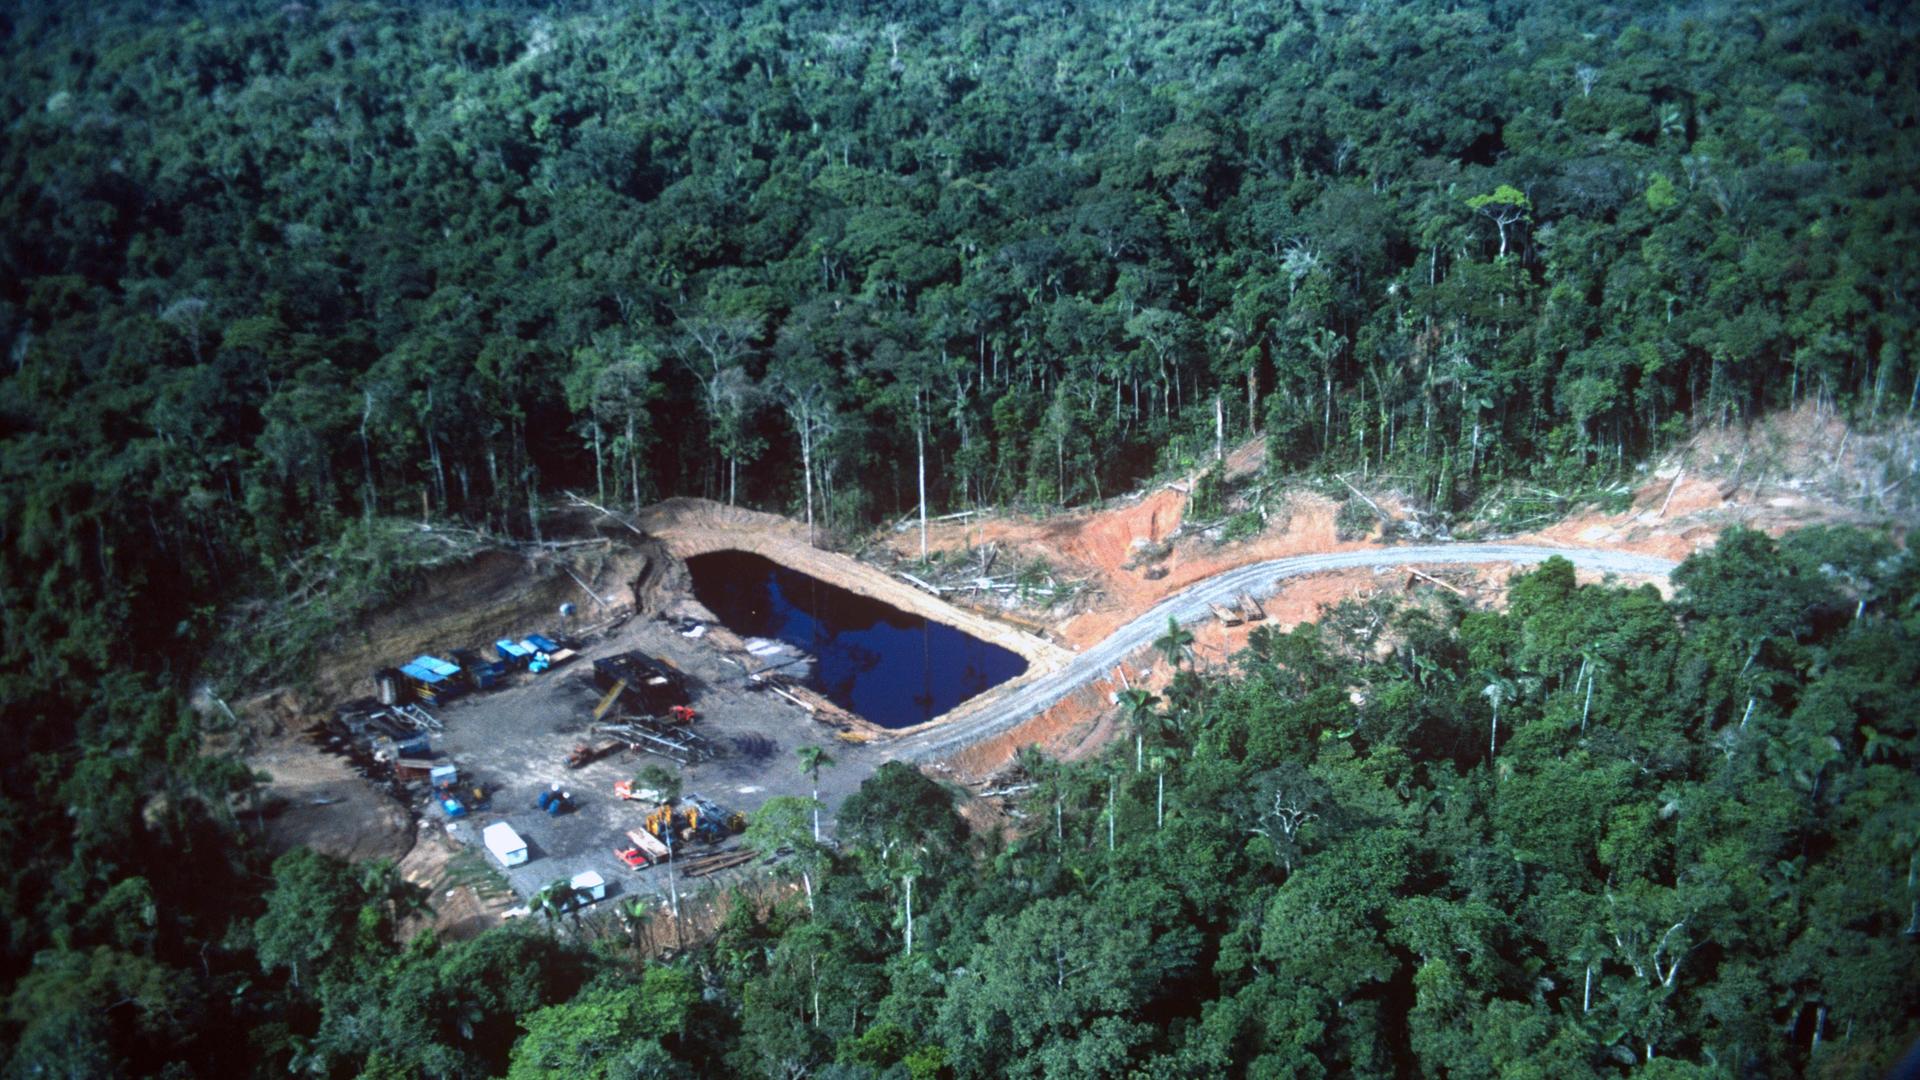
(1001, 709)
(516, 741)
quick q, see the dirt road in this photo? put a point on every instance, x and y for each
(1020, 702)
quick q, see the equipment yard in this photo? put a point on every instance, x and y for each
(515, 743)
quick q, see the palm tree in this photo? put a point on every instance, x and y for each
(553, 901)
(1497, 692)
(1174, 643)
(1139, 702)
(1185, 696)
(812, 760)
(1161, 758)
(635, 913)
(397, 897)
(1589, 667)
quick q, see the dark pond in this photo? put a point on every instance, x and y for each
(882, 663)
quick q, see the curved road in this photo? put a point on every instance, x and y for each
(1026, 700)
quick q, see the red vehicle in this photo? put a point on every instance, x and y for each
(647, 850)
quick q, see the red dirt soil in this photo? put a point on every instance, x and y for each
(1787, 471)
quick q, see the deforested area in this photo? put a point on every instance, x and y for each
(1382, 528)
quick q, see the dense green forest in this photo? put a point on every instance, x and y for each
(274, 275)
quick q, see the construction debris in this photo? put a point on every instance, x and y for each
(585, 754)
(655, 737)
(1413, 575)
(652, 686)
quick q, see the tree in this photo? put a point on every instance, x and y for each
(1286, 799)
(804, 387)
(899, 806)
(780, 826)
(714, 345)
(1498, 691)
(312, 924)
(622, 391)
(1139, 703)
(812, 760)
(191, 316)
(1053, 989)
(912, 373)
(1176, 643)
(609, 1031)
(661, 780)
(557, 898)
(1505, 206)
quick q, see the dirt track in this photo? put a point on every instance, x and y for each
(1001, 710)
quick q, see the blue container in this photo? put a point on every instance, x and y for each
(487, 676)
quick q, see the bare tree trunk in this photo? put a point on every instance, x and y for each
(433, 454)
(920, 449)
(599, 466)
(366, 454)
(633, 461)
(1326, 421)
(806, 471)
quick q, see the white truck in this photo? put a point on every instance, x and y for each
(505, 844)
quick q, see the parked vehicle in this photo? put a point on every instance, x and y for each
(504, 843)
(644, 850)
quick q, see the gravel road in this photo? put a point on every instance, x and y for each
(1027, 700)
